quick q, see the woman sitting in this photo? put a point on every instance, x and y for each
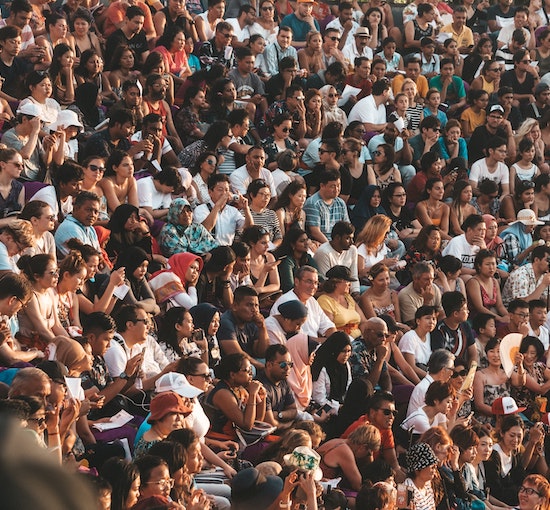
(42, 219)
(204, 167)
(451, 144)
(524, 169)
(293, 254)
(475, 115)
(207, 318)
(260, 195)
(289, 440)
(422, 466)
(12, 193)
(368, 205)
(370, 245)
(510, 461)
(171, 45)
(279, 141)
(72, 273)
(439, 400)
(118, 183)
(416, 344)
(179, 233)
(492, 382)
(331, 371)
(448, 275)
(237, 400)
(135, 262)
(90, 70)
(290, 206)
(188, 121)
(383, 171)
(425, 248)
(432, 210)
(216, 138)
(176, 286)
(311, 57)
(537, 380)
(523, 197)
(333, 113)
(461, 207)
(340, 457)
(379, 299)
(404, 223)
(483, 289)
(176, 337)
(337, 303)
(94, 169)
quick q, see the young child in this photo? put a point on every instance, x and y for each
(524, 169)
(401, 104)
(394, 61)
(433, 100)
(429, 59)
(485, 328)
(537, 318)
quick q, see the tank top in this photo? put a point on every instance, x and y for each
(486, 86)
(159, 111)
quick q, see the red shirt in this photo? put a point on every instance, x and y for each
(387, 442)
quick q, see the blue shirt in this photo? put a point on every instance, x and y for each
(72, 228)
(322, 215)
(300, 28)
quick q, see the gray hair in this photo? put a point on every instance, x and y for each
(439, 359)
(377, 320)
(24, 376)
(421, 268)
(304, 269)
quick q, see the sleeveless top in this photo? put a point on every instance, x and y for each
(544, 62)
(220, 422)
(486, 86)
(10, 204)
(77, 50)
(489, 301)
(419, 33)
(329, 472)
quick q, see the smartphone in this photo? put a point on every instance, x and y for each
(325, 408)
(283, 257)
(198, 335)
(405, 497)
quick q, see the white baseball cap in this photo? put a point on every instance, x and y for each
(178, 383)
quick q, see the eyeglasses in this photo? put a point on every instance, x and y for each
(436, 129)
(522, 315)
(496, 70)
(462, 373)
(400, 195)
(38, 421)
(377, 153)
(211, 161)
(311, 282)
(323, 151)
(16, 164)
(204, 376)
(334, 38)
(388, 412)
(285, 364)
(267, 8)
(286, 130)
(165, 482)
(333, 95)
(227, 36)
(96, 168)
(528, 491)
(53, 273)
(145, 321)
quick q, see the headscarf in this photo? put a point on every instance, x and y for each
(299, 378)
(203, 314)
(131, 258)
(496, 243)
(326, 358)
(175, 210)
(363, 211)
(69, 352)
(324, 94)
(103, 235)
(179, 263)
(120, 217)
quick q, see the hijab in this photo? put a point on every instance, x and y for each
(179, 263)
(120, 217)
(103, 235)
(299, 378)
(175, 210)
(131, 258)
(495, 243)
(69, 352)
(85, 97)
(363, 211)
(203, 314)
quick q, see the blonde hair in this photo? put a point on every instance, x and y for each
(374, 232)
(406, 81)
(366, 435)
(22, 232)
(525, 128)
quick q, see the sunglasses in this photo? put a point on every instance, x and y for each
(388, 412)
(228, 36)
(211, 161)
(96, 168)
(380, 334)
(323, 151)
(333, 95)
(38, 421)
(267, 8)
(462, 373)
(334, 38)
(204, 376)
(286, 130)
(285, 364)
(377, 153)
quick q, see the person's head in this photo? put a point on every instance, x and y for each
(534, 493)
(439, 441)
(31, 382)
(284, 37)
(174, 454)
(132, 322)
(330, 184)
(381, 88)
(381, 496)
(195, 370)
(277, 362)
(131, 93)
(421, 463)
(531, 347)
(35, 412)
(375, 332)
(194, 97)
(20, 13)
(365, 440)
(431, 163)
(518, 310)
(455, 306)
(379, 276)
(485, 263)
(39, 85)
(524, 193)
(306, 281)
(16, 236)
(267, 9)
(205, 165)
(351, 150)
(99, 329)
(484, 324)
(134, 19)
(434, 189)
(258, 190)
(425, 318)
(56, 25)
(10, 40)
(537, 312)
(474, 228)
(342, 235)
(412, 68)
(440, 364)
(422, 275)
(235, 368)
(292, 316)
(15, 292)
(245, 304)
(155, 476)
(511, 432)
(121, 124)
(374, 232)
(384, 154)
(125, 482)
(428, 240)
(430, 126)
(63, 57)
(382, 411)
(282, 125)
(69, 177)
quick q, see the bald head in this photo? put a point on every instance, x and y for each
(376, 332)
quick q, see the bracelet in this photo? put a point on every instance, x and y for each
(284, 505)
(252, 403)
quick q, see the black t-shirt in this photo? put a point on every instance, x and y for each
(14, 77)
(479, 140)
(138, 44)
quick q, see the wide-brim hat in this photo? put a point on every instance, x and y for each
(527, 217)
(420, 456)
(304, 459)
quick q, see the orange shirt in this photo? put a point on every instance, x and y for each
(387, 442)
(115, 15)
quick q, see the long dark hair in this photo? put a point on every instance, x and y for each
(291, 189)
(117, 55)
(290, 238)
(55, 67)
(167, 329)
(86, 55)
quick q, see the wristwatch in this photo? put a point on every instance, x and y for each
(280, 415)
(124, 376)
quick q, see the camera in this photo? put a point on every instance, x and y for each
(235, 197)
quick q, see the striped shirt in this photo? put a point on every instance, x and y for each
(322, 215)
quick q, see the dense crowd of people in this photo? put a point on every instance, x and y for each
(278, 254)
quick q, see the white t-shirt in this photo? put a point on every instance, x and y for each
(543, 336)
(240, 179)
(47, 194)
(241, 34)
(367, 111)
(229, 220)
(461, 249)
(370, 260)
(137, 137)
(412, 344)
(419, 421)
(480, 171)
(149, 196)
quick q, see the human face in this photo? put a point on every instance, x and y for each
(194, 458)
(314, 104)
(67, 59)
(379, 155)
(315, 42)
(434, 241)
(381, 281)
(42, 90)
(100, 343)
(299, 198)
(132, 97)
(186, 216)
(438, 191)
(284, 38)
(444, 406)
(133, 493)
(22, 19)
(424, 280)
(477, 233)
(493, 356)
(528, 197)
(413, 70)
(306, 286)
(261, 199)
(377, 334)
(402, 103)
(410, 90)
(297, 98)
(331, 39)
(159, 483)
(208, 166)
(192, 272)
(302, 244)
(81, 26)
(538, 316)
(488, 267)
(158, 89)
(330, 189)
(256, 160)
(37, 422)
(459, 19)
(344, 355)
(59, 30)
(266, 10)
(247, 309)
(178, 43)
(379, 70)
(426, 323)
(384, 416)
(92, 266)
(70, 189)
(199, 101)
(530, 356)
(11, 47)
(201, 378)
(399, 197)
(529, 497)
(246, 64)
(484, 449)
(50, 276)
(258, 46)
(186, 327)
(126, 168)
(74, 281)
(494, 119)
(141, 270)
(214, 324)
(135, 24)
(447, 70)
(13, 167)
(282, 131)
(305, 9)
(457, 376)
(280, 367)
(94, 64)
(520, 316)
(140, 328)
(218, 9)
(452, 48)
(512, 438)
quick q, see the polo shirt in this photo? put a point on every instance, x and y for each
(463, 38)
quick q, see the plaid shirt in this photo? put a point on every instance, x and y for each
(322, 215)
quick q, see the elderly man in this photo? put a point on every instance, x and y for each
(421, 291)
(369, 353)
(317, 324)
(252, 170)
(531, 280)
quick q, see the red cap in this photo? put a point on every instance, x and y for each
(506, 405)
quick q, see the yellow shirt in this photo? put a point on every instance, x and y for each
(464, 38)
(421, 85)
(345, 319)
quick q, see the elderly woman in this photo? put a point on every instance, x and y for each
(260, 195)
(180, 234)
(338, 304)
(340, 457)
